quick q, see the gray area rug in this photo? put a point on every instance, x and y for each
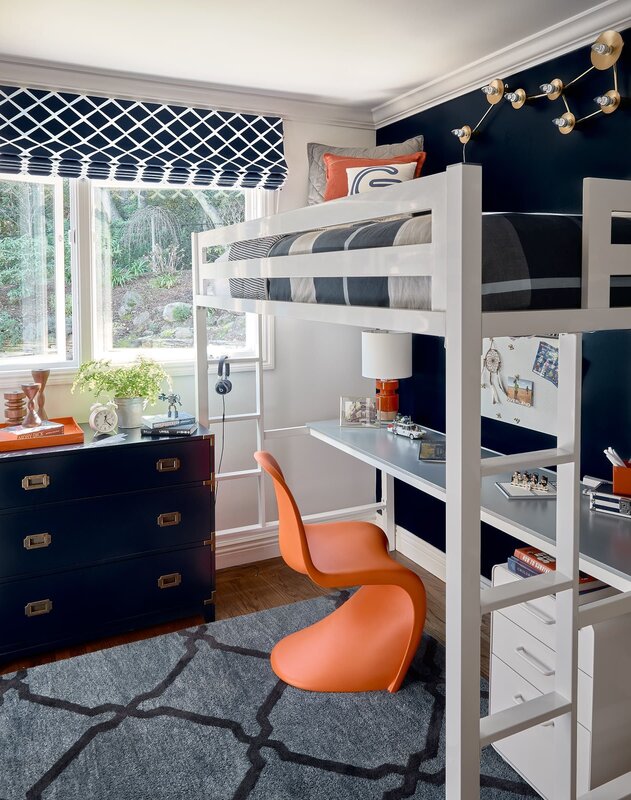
(200, 714)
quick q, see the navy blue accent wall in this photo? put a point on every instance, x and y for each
(527, 166)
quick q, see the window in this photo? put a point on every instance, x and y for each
(135, 271)
(36, 300)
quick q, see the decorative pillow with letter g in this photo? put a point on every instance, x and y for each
(317, 169)
(336, 166)
(363, 179)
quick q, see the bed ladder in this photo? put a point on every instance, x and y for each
(466, 733)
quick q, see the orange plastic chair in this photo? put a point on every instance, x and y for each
(368, 642)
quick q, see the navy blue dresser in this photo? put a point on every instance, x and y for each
(97, 540)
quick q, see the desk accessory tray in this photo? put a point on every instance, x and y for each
(72, 435)
(512, 492)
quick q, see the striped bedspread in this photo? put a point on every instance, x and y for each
(529, 261)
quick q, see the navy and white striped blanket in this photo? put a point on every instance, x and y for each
(529, 261)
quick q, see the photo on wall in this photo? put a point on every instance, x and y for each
(519, 391)
(546, 363)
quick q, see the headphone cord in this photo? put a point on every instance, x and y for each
(223, 440)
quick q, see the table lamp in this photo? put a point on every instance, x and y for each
(386, 356)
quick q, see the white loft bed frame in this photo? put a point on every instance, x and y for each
(453, 260)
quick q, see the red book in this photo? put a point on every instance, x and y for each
(543, 562)
(536, 559)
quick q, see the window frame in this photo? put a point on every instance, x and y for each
(258, 202)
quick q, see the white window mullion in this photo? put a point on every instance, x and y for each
(81, 240)
(60, 278)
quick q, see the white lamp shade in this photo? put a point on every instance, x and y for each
(386, 355)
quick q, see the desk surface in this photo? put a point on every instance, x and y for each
(605, 540)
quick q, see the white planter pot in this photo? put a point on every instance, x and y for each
(129, 410)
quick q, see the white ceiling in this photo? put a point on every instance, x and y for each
(348, 52)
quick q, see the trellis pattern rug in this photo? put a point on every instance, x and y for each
(200, 714)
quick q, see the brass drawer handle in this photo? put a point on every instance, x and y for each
(169, 581)
(38, 607)
(170, 518)
(168, 464)
(35, 482)
(37, 540)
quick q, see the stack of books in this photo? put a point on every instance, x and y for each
(163, 425)
(528, 561)
(45, 428)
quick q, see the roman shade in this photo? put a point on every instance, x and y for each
(46, 132)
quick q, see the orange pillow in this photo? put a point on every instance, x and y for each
(336, 166)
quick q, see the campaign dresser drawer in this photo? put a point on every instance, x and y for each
(90, 472)
(64, 604)
(65, 535)
(531, 752)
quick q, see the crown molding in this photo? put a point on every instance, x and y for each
(549, 43)
(127, 85)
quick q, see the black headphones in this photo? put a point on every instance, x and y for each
(223, 385)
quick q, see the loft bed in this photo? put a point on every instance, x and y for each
(451, 264)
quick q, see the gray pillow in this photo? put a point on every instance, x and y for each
(317, 172)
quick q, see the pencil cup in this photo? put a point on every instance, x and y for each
(622, 479)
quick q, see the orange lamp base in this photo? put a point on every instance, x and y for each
(387, 399)
(364, 645)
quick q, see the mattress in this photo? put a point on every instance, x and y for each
(529, 261)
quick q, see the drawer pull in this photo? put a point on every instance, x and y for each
(169, 581)
(538, 614)
(38, 607)
(37, 540)
(534, 662)
(518, 699)
(35, 482)
(168, 464)
(169, 518)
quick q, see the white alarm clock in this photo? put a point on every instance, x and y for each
(103, 417)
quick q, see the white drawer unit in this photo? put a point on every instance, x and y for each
(523, 663)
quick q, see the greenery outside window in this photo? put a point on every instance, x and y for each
(36, 280)
(103, 270)
(142, 271)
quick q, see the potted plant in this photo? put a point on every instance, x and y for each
(131, 385)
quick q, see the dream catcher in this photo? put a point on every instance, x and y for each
(492, 363)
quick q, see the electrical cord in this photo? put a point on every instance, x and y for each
(223, 440)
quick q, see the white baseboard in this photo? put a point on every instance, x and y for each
(421, 552)
(237, 547)
(426, 555)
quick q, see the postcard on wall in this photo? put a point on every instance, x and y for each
(547, 362)
(519, 390)
(359, 412)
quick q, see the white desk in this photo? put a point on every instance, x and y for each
(605, 540)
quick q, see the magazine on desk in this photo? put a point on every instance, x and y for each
(432, 451)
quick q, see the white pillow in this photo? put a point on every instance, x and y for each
(363, 179)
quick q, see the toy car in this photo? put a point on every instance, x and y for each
(403, 426)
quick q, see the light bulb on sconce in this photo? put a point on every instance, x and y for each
(494, 91)
(606, 49)
(602, 49)
(608, 102)
(463, 134)
(517, 98)
(565, 123)
(553, 89)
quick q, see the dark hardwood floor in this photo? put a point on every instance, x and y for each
(255, 587)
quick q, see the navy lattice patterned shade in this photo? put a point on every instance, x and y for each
(57, 133)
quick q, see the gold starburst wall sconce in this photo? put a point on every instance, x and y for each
(494, 91)
(604, 53)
